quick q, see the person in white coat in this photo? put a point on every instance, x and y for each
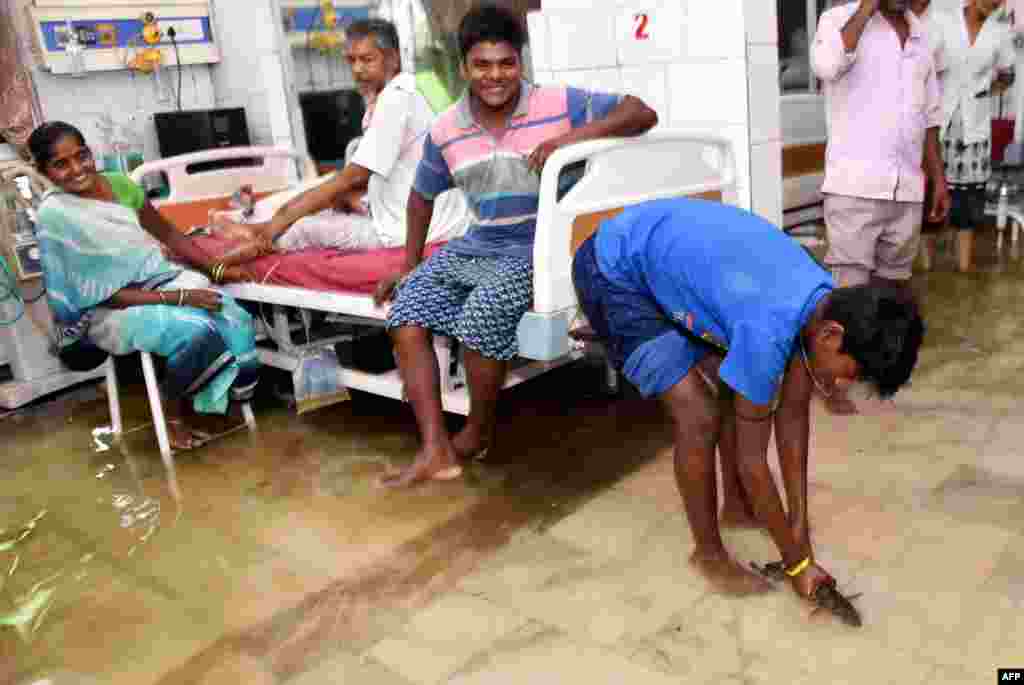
(979, 59)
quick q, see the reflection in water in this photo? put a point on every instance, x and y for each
(137, 513)
(100, 432)
(24, 612)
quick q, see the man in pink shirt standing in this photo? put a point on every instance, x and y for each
(884, 113)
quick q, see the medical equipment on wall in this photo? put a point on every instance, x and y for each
(320, 26)
(25, 320)
(75, 37)
(75, 50)
(120, 143)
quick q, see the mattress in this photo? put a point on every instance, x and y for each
(320, 269)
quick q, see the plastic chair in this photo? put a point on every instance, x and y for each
(156, 406)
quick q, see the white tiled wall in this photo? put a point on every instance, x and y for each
(766, 174)
(763, 71)
(131, 100)
(251, 73)
(766, 121)
(581, 39)
(761, 22)
(708, 93)
(606, 80)
(716, 28)
(691, 66)
(650, 84)
(664, 27)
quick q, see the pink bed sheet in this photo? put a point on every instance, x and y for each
(320, 269)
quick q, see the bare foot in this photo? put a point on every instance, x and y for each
(728, 577)
(183, 437)
(738, 518)
(231, 229)
(425, 467)
(470, 444)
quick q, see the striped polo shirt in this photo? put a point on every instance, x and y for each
(493, 172)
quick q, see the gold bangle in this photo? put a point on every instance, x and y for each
(181, 297)
(799, 568)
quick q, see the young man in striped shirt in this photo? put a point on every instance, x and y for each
(492, 144)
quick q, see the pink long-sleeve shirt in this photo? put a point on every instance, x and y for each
(880, 100)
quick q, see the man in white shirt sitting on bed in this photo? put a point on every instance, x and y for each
(362, 207)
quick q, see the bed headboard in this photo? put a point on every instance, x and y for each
(195, 191)
(620, 172)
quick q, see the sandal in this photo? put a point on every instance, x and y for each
(825, 596)
(196, 438)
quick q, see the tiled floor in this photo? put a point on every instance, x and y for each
(562, 559)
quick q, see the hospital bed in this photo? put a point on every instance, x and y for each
(618, 172)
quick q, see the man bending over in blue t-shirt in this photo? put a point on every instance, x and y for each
(732, 325)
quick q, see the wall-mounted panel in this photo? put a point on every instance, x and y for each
(109, 33)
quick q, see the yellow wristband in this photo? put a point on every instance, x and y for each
(799, 568)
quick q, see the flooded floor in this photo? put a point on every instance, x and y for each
(271, 557)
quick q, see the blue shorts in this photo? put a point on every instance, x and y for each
(642, 342)
(476, 300)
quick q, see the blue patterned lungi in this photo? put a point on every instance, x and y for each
(476, 300)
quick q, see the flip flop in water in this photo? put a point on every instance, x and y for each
(825, 595)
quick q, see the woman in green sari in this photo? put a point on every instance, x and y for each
(108, 276)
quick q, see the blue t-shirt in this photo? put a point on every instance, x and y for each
(723, 274)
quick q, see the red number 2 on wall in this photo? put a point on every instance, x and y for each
(640, 21)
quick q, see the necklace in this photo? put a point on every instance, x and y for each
(807, 367)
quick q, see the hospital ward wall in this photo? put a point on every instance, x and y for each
(260, 71)
(131, 100)
(251, 71)
(708, 65)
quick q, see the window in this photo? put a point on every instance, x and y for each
(797, 20)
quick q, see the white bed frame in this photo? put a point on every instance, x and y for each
(620, 172)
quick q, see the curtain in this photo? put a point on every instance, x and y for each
(20, 111)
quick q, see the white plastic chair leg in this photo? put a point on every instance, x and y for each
(250, 418)
(157, 408)
(113, 399)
